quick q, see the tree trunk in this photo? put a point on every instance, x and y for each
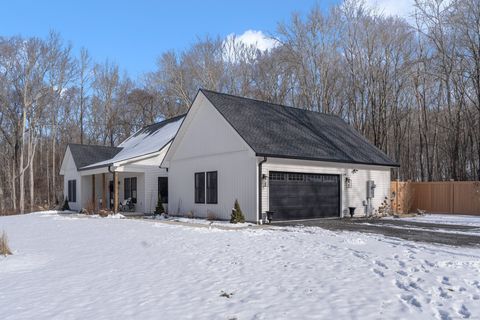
(22, 169)
(31, 170)
(14, 186)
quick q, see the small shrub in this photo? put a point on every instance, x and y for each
(237, 214)
(211, 216)
(65, 206)
(104, 213)
(385, 208)
(190, 215)
(4, 248)
(90, 208)
(159, 208)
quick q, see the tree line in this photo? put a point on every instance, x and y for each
(410, 85)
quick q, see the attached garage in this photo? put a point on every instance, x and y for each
(295, 163)
(296, 196)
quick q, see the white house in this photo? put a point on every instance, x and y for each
(295, 163)
(102, 177)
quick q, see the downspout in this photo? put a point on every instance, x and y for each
(260, 188)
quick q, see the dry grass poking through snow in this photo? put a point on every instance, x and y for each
(4, 248)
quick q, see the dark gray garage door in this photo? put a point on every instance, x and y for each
(303, 195)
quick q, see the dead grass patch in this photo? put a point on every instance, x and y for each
(4, 247)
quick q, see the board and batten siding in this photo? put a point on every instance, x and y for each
(140, 205)
(350, 197)
(70, 172)
(209, 143)
(150, 172)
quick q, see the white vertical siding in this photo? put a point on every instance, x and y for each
(209, 143)
(151, 187)
(350, 197)
(236, 180)
(140, 205)
(70, 173)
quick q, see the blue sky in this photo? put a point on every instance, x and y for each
(134, 33)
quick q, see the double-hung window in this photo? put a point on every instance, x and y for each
(206, 187)
(72, 190)
(130, 189)
(212, 190)
(200, 187)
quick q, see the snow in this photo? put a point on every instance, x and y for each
(144, 143)
(447, 219)
(74, 267)
(216, 223)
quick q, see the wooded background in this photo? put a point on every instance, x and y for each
(411, 86)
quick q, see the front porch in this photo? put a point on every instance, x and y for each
(127, 190)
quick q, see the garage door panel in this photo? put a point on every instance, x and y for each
(304, 196)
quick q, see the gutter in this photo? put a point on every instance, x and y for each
(260, 188)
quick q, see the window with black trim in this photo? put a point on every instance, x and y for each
(72, 190)
(212, 187)
(130, 189)
(200, 187)
(163, 189)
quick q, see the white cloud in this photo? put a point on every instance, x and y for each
(401, 8)
(254, 38)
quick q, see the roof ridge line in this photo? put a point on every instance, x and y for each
(165, 120)
(271, 103)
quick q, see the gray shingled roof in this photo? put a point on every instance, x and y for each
(273, 130)
(84, 155)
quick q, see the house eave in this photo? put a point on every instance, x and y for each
(391, 165)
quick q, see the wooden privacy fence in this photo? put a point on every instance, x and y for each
(454, 197)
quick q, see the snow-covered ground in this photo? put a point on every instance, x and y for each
(92, 268)
(447, 219)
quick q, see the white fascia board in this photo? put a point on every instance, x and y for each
(133, 160)
(62, 166)
(93, 171)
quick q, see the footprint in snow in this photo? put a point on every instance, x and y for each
(476, 284)
(475, 297)
(359, 255)
(444, 315)
(464, 312)
(402, 273)
(446, 281)
(414, 285)
(378, 272)
(430, 264)
(444, 294)
(401, 285)
(410, 299)
(381, 264)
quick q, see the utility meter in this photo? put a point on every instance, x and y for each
(371, 189)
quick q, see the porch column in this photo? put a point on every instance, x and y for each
(115, 192)
(104, 192)
(94, 203)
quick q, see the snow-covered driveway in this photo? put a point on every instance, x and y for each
(92, 268)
